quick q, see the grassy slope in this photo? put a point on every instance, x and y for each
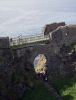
(66, 87)
(38, 93)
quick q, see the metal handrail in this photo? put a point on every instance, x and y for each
(28, 39)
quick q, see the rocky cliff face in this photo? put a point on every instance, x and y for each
(16, 75)
(63, 35)
(16, 72)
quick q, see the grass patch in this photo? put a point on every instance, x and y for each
(11, 51)
(3, 47)
(23, 77)
(38, 93)
(17, 77)
(72, 46)
(66, 87)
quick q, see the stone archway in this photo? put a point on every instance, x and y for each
(40, 64)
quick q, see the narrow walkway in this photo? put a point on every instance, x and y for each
(52, 91)
(29, 40)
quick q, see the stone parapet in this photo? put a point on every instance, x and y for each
(4, 41)
(51, 27)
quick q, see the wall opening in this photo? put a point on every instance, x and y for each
(40, 64)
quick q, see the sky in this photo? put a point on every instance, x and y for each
(19, 16)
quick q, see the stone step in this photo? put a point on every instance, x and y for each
(52, 91)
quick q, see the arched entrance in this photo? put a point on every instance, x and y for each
(40, 63)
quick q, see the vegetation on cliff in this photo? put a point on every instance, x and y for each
(66, 87)
(18, 79)
(38, 93)
(71, 47)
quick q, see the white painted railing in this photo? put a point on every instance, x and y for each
(28, 39)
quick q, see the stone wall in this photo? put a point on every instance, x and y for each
(5, 57)
(4, 41)
(51, 27)
(63, 35)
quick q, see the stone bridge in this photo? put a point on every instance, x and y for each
(36, 50)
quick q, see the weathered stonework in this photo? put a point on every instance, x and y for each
(55, 51)
(56, 34)
(4, 41)
(63, 35)
(51, 27)
(58, 61)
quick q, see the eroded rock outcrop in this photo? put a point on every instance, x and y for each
(14, 74)
(51, 27)
(63, 35)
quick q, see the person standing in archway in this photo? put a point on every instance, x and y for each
(45, 78)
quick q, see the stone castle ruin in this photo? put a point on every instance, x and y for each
(59, 57)
(59, 34)
(54, 59)
(63, 35)
(4, 41)
(55, 52)
(51, 27)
